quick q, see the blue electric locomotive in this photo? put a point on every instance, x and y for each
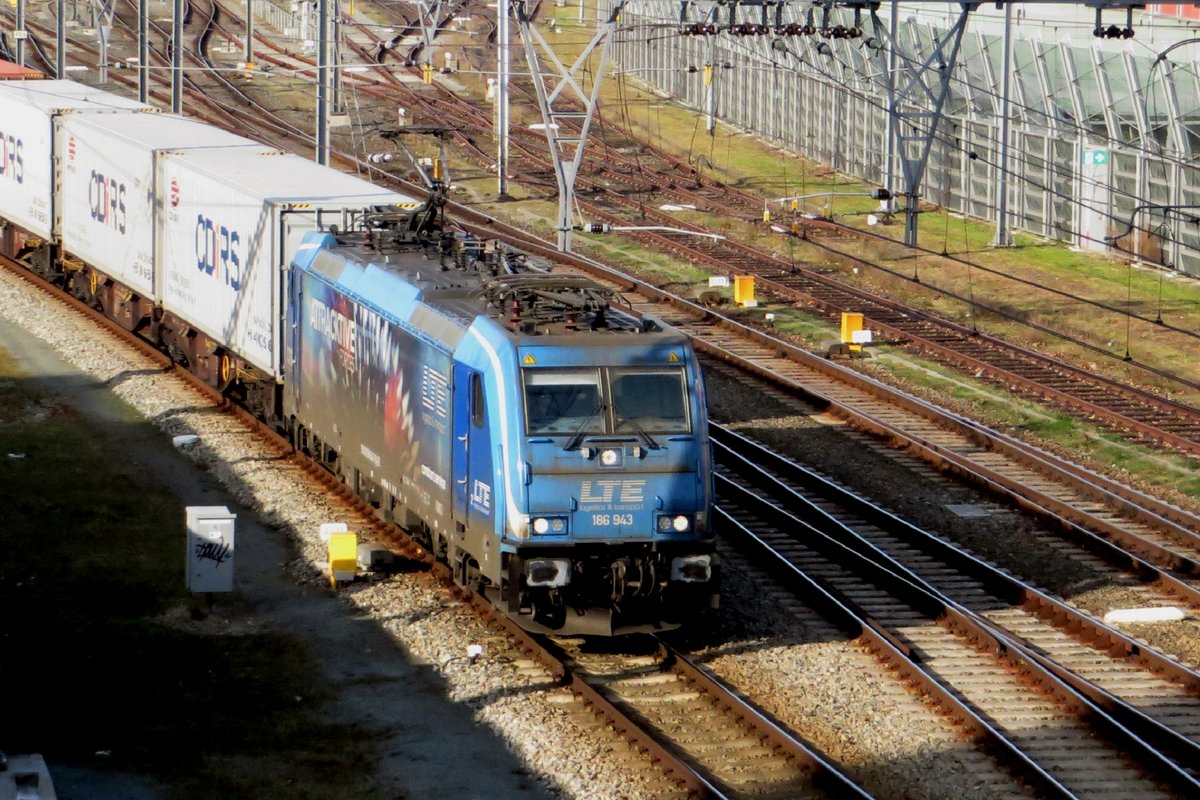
(551, 448)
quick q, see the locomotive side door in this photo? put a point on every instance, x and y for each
(474, 504)
(461, 446)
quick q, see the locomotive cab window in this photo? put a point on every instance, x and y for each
(649, 400)
(625, 400)
(477, 407)
(564, 401)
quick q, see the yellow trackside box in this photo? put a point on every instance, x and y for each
(852, 325)
(343, 557)
(743, 290)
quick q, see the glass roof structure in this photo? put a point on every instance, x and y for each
(1098, 127)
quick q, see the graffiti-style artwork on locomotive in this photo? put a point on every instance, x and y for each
(366, 383)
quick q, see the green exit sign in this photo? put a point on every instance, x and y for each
(1095, 156)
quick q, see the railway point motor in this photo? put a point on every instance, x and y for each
(342, 551)
(343, 557)
(743, 291)
(853, 337)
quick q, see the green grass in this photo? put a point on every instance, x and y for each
(655, 268)
(93, 560)
(812, 331)
(1171, 472)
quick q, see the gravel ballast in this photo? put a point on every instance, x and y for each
(809, 677)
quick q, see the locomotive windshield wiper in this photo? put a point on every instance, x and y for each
(640, 431)
(582, 430)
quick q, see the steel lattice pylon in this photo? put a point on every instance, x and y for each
(554, 91)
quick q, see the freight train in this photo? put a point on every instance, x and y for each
(545, 442)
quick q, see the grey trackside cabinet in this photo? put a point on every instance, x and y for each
(210, 549)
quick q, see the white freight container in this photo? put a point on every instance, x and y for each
(232, 224)
(108, 192)
(28, 147)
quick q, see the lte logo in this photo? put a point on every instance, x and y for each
(71, 148)
(606, 491)
(174, 192)
(481, 497)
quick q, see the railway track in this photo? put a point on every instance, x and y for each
(1052, 734)
(200, 26)
(622, 714)
(1148, 529)
(1148, 692)
(616, 188)
(1171, 549)
(700, 771)
(703, 771)
(622, 189)
(737, 751)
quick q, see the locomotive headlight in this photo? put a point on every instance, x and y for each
(548, 572)
(610, 457)
(691, 569)
(544, 525)
(678, 523)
